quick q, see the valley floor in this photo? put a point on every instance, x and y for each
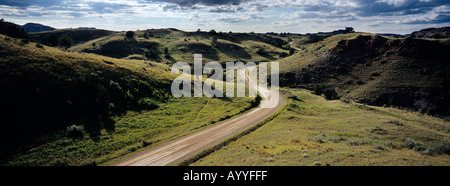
(314, 131)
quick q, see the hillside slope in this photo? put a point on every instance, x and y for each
(44, 89)
(171, 45)
(376, 70)
(78, 36)
(437, 33)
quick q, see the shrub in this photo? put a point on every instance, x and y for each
(443, 148)
(412, 144)
(356, 143)
(378, 130)
(89, 162)
(284, 54)
(319, 139)
(39, 45)
(318, 90)
(395, 122)
(24, 41)
(75, 131)
(330, 94)
(261, 51)
(379, 147)
(334, 139)
(293, 97)
(147, 103)
(345, 100)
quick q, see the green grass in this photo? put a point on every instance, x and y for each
(311, 52)
(134, 131)
(338, 133)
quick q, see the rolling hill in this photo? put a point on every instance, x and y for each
(436, 33)
(377, 70)
(78, 36)
(45, 90)
(172, 45)
(36, 27)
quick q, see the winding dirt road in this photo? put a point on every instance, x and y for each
(185, 147)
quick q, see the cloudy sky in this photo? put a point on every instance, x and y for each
(295, 16)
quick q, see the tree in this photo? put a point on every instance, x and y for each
(152, 53)
(212, 31)
(52, 41)
(12, 30)
(349, 30)
(65, 41)
(291, 51)
(166, 50)
(130, 34)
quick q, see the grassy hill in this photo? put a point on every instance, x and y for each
(313, 131)
(436, 33)
(171, 45)
(78, 36)
(372, 69)
(69, 108)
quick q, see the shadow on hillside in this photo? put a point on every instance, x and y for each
(232, 50)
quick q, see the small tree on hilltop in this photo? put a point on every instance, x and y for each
(130, 34)
(349, 30)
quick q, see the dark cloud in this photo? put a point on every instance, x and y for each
(373, 8)
(436, 20)
(27, 3)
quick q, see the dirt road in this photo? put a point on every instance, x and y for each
(292, 45)
(182, 148)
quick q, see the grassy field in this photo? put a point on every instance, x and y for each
(314, 131)
(134, 131)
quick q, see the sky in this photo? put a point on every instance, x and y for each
(293, 16)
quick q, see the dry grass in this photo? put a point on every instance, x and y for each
(339, 134)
